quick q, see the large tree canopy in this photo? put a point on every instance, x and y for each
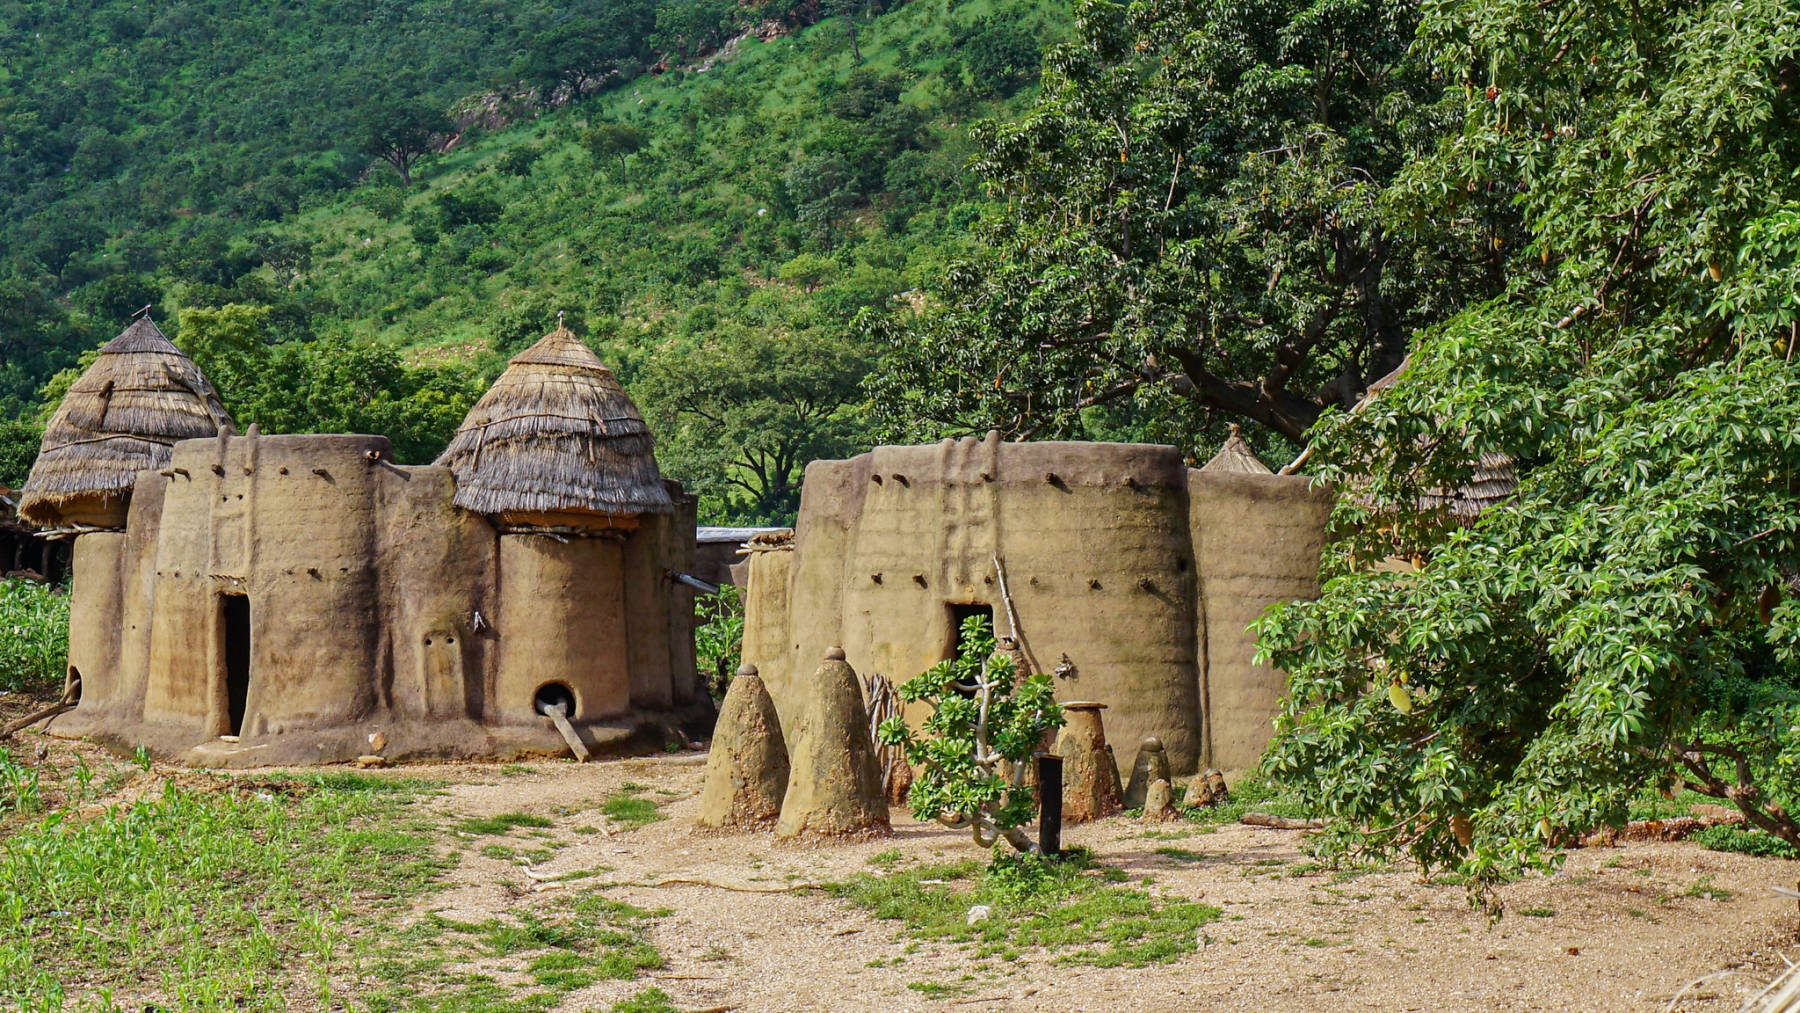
(1633, 615)
(1195, 228)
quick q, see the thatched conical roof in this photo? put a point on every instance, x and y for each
(138, 399)
(556, 434)
(1494, 480)
(1237, 457)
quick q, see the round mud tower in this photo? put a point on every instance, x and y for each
(834, 788)
(1152, 763)
(747, 773)
(1090, 777)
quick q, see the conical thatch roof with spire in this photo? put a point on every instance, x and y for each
(1237, 457)
(138, 399)
(555, 435)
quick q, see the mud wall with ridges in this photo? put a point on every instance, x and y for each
(1257, 539)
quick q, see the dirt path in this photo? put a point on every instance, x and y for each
(1620, 928)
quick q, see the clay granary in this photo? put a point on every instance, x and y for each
(1132, 575)
(250, 599)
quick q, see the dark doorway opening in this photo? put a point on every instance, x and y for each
(236, 609)
(961, 612)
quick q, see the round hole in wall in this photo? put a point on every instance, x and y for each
(427, 641)
(551, 694)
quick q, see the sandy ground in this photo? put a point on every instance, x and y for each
(1625, 933)
(1620, 928)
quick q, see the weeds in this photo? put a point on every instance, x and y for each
(628, 810)
(204, 895)
(1067, 904)
(501, 824)
(34, 635)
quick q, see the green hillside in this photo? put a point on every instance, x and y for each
(731, 214)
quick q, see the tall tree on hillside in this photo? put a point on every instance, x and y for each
(399, 132)
(739, 416)
(1630, 618)
(1194, 223)
(614, 140)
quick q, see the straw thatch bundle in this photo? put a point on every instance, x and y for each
(1237, 457)
(1494, 480)
(556, 435)
(138, 399)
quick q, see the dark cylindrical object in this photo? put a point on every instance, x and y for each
(1050, 791)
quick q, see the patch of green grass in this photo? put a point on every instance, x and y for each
(1066, 904)
(1180, 855)
(498, 851)
(1251, 795)
(501, 824)
(1744, 840)
(650, 1000)
(226, 899)
(1537, 912)
(628, 810)
(937, 989)
(514, 769)
(580, 940)
(1704, 889)
(887, 859)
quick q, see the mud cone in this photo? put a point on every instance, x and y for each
(747, 772)
(835, 785)
(1159, 802)
(1090, 777)
(1152, 763)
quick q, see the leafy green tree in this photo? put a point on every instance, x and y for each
(400, 132)
(329, 385)
(1194, 224)
(19, 441)
(974, 750)
(1630, 617)
(607, 141)
(739, 415)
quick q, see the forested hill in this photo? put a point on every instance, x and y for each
(688, 192)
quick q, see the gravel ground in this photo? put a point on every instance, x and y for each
(1620, 928)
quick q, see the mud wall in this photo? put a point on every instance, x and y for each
(892, 546)
(1143, 573)
(562, 616)
(1257, 539)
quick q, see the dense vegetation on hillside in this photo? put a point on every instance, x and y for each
(713, 229)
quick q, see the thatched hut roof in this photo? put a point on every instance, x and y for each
(1494, 480)
(556, 434)
(138, 399)
(1237, 457)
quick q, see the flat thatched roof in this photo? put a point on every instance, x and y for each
(138, 399)
(1236, 457)
(556, 434)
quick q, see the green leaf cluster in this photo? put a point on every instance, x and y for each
(986, 722)
(1629, 614)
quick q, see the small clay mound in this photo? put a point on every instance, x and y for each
(1159, 802)
(835, 785)
(1152, 764)
(747, 773)
(1090, 776)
